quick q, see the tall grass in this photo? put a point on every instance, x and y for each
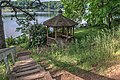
(92, 50)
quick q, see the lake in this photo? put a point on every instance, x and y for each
(11, 25)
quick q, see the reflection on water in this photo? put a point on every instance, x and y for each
(11, 25)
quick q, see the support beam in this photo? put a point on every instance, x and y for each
(13, 57)
(73, 31)
(67, 31)
(70, 30)
(63, 30)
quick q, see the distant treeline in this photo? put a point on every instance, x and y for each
(45, 6)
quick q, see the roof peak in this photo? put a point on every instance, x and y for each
(60, 11)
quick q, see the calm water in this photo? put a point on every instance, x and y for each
(11, 25)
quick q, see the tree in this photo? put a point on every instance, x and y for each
(95, 12)
(15, 9)
(2, 37)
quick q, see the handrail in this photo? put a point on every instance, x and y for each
(4, 56)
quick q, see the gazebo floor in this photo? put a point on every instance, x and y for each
(59, 41)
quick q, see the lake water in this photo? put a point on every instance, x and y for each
(11, 25)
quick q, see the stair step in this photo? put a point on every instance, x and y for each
(24, 66)
(27, 68)
(23, 54)
(24, 62)
(24, 57)
(34, 76)
(27, 72)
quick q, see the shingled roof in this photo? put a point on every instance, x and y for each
(60, 21)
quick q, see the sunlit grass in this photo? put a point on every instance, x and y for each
(94, 48)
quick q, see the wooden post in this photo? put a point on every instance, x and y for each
(67, 31)
(73, 31)
(63, 30)
(7, 65)
(55, 33)
(70, 30)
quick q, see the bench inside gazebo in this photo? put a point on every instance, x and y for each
(62, 29)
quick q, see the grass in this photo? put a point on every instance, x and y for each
(3, 74)
(2, 71)
(94, 49)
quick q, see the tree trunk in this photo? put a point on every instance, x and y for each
(2, 36)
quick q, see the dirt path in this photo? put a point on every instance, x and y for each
(114, 72)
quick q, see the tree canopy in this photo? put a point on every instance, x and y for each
(95, 12)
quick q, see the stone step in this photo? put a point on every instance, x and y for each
(27, 68)
(27, 72)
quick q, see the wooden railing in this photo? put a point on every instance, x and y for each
(4, 56)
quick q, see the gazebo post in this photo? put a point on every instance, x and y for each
(73, 30)
(63, 30)
(55, 33)
(70, 30)
(67, 31)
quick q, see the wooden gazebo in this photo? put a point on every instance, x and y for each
(63, 29)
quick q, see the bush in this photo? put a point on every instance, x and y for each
(10, 41)
(16, 41)
(37, 35)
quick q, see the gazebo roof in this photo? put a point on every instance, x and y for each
(60, 21)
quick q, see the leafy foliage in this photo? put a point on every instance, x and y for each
(96, 12)
(16, 41)
(37, 35)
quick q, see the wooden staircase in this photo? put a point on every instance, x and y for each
(27, 69)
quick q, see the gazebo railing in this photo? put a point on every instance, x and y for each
(4, 56)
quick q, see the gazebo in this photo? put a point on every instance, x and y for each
(63, 29)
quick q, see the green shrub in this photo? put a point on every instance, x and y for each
(37, 35)
(21, 39)
(10, 41)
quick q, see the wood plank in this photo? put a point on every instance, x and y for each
(27, 68)
(24, 66)
(24, 57)
(33, 76)
(27, 72)
(24, 62)
(23, 54)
